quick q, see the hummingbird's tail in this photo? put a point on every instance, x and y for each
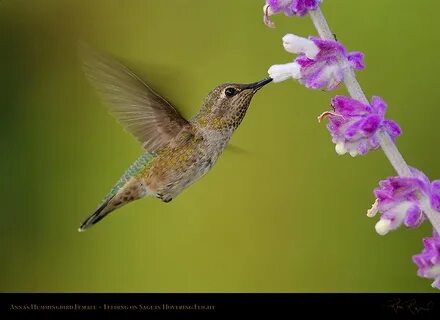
(132, 190)
(97, 216)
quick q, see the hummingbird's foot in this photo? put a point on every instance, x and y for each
(326, 114)
(374, 209)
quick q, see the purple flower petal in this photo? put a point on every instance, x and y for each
(281, 5)
(325, 70)
(398, 200)
(356, 59)
(347, 106)
(353, 125)
(379, 105)
(320, 62)
(353, 130)
(435, 195)
(370, 125)
(392, 128)
(289, 7)
(428, 261)
(414, 217)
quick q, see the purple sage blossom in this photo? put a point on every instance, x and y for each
(435, 195)
(357, 127)
(428, 261)
(289, 7)
(353, 125)
(319, 65)
(398, 201)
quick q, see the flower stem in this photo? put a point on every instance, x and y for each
(387, 145)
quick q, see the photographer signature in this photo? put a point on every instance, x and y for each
(411, 306)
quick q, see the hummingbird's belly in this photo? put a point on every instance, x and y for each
(173, 173)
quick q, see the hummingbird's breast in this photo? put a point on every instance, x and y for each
(177, 167)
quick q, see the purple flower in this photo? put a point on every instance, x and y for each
(398, 201)
(320, 63)
(353, 124)
(289, 7)
(435, 195)
(428, 261)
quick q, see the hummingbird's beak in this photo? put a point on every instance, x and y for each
(259, 84)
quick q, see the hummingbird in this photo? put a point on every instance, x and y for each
(177, 151)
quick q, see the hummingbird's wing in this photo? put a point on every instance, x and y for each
(144, 113)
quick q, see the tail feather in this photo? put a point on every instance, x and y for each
(97, 216)
(132, 190)
(124, 191)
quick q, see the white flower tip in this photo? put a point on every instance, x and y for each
(435, 271)
(383, 226)
(291, 38)
(340, 148)
(353, 153)
(295, 44)
(281, 72)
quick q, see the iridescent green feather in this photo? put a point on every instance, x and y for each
(137, 167)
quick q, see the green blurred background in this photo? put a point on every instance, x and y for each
(284, 214)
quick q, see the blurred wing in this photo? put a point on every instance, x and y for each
(144, 113)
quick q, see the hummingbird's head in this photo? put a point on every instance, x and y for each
(226, 105)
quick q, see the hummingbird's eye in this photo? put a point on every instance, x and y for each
(229, 92)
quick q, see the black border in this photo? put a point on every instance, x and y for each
(211, 305)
